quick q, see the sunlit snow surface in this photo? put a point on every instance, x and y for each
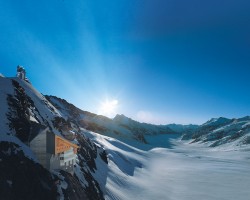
(181, 171)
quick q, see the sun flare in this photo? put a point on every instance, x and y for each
(108, 108)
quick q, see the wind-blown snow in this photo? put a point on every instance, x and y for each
(184, 172)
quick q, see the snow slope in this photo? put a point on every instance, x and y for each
(178, 170)
(20, 99)
(181, 173)
(22, 106)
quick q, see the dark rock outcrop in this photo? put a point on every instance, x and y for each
(22, 178)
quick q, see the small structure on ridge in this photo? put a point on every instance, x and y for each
(21, 73)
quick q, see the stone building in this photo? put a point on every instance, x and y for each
(53, 151)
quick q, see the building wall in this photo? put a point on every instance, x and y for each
(53, 154)
(68, 160)
(62, 145)
(54, 161)
(38, 146)
(50, 140)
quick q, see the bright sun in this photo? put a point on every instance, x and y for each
(108, 108)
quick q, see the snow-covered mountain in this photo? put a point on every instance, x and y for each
(120, 127)
(222, 131)
(22, 177)
(179, 128)
(117, 158)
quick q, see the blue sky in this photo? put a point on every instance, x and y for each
(164, 61)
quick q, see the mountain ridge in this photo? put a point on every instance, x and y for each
(120, 125)
(21, 107)
(104, 144)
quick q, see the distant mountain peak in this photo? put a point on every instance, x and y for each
(122, 118)
(217, 121)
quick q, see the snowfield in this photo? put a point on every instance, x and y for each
(139, 161)
(180, 172)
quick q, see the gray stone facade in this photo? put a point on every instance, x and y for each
(43, 146)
